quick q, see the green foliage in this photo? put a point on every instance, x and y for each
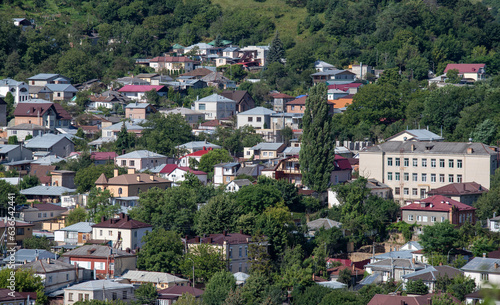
(333, 239)
(212, 158)
(256, 198)
(13, 140)
(218, 288)
(416, 287)
(405, 228)
(310, 295)
(485, 132)
(452, 76)
(5, 190)
(75, 216)
(440, 238)
(345, 276)
(125, 140)
(207, 261)
(85, 178)
(187, 299)
(276, 51)
(459, 286)
(162, 252)
(341, 297)
(483, 245)
(170, 209)
(234, 140)
(146, 294)
(275, 223)
(28, 181)
(26, 281)
(99, 302)
(220, 213)
(99, 205)
(36, 242)
(317, 150)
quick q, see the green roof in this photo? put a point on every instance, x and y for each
(177, 46)
(224, 42)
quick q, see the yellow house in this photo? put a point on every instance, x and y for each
(130, 184)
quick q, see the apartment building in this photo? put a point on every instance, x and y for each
(412, 168)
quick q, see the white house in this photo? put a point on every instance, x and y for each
(215, 107)
(177, 174)
(138, 92)
(484, 271)
(225, 172)
(236, 185)
(123, 232)
(19, 90)
(258, 117)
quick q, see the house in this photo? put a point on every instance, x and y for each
(11, 152)
(465, 192)
(113, 130)
(202, 49)
(361, 70)
(109, 99)
(105, 261)
(342, 170)
(75, 234)
(19, 90)
(484, 271)
(123, 232)
(322, 66)
(218, 80)
(431, 274)
(63, 178)
(160, 279)
(252, 170)
(334, 94)
(197, 73)
(438, 209)
(172, 64)
(147, 76)
(468, 71)
(54, 274)
(411, 168)
(131, 81)
(99, 290)
(334, 273)
(160, 80)
(193, 117)
(243, 99)
(287, 168)
(215, 106)
(23, 230)
(263, 151)
(233, 247)
(340, 104)
(299, 105)
(225, 172)
(186, 160)
(324, 223)
(379, 189)
(169, 296)
(43, 79)
(280, 100)
(258, 118)
(41, 211)
(478, 296)
(42, 172)
(393, 268)
(8, 296)
(130, 184)
(138, 92)
(177, 174)
(57, 92)
(260, 51)
(333, 76)
(350, 88)
(420, 135)
(59, 145)
(103, 157)
(43, 113)
(25, 256)
(494, 223)
(236, 185)
(140, 160)
(21, 131)
(397, 299)
(139, 111)
(282, 119)
(197, 145)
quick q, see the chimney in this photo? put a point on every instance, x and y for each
(103, 219)
(413, 260)
(484, 255)
(115, 172)
(122, 215)
(48, 260)
(131, 171)
(224, 233)
(241, 231)
(470, 150)
(496, 265)
(152, 177)
(197, 239)
(127, 217)
(138, 178)
(209, 240)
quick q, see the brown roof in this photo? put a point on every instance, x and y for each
(299, 101)
(175, 292)
(200, 72)
(6, 295)
(457, 189)
(123, 222)
(102, 179)
(96, 251)
(392, 299)
(171, 59)
(61, 112)
(236, 95)
(132, 179)
(219, 239)
(437, 203)
(211, 123)
(38, 109)
(280, 95)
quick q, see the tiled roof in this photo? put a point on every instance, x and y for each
(342, 163)
(393, 299)
(95, 251)
(280, 95)
(464, 68)
(200, 72)
(168, 168)
(211, 123)
(198, 153)
(32, 109)
(236, 95)
(140, 88)
(27, 126)
(299, 101)
(437, 203)
(457, 189)
(124, 222)
(219, 239)
(103, 155)
(43, 267)
(129, 179)
(432, 273)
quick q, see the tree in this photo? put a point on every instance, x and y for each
(485, 132)
(489, 202)
(152, 97)
(220, 213)
(417, 287)
(162, 252)
(309, 295)
(99, 205)
(9, 99)
(212, 158)
(207, 261)
(258, 254)
(452, 76)
(317, 150)
(286, 134)
(77, 215)
(36, 242)
(483, 245)
(146, 294)
(275, 222)
(25, 281)
(28, 181)
(235, 297)
(187, 299)
(218, 288)
(256, 198)
(440, 237)
(85, 178)
(6, 199)
(458, 286)
(13, 140)
(276, 51)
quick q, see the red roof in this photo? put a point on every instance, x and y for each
(61, 112)
(38, 109)
(140, 88)
(464, 68)
(344, 87)
(111, 155)
(168, 168)
(280, 95)
(230, 238)
(198, 153)
(210, 123)
(437, 203)
(192, 171)
(342, 163)
(124, 222)
(299, 101)
(171, 59)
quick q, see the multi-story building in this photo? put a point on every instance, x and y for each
(139, 110)
(130, 184)
(19, 90)
(102, 290)
(215, 106)
(225, 172)
(172, 64)
(123, 232)
(412, 168)
(43, 113)
(54, 274)
(258, 118)
(140, 160)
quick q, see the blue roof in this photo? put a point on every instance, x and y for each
(257, 111)
(83, 227)
(61, 87)
(43, 76)
(30, 255)
(406, 254)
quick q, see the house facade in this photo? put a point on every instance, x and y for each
(172, 64)
(193, 117)
(139, 110)
(42, 113)
(484, 271)
(123, 232)
(243, 99)
(140, 160)
(58, 145)
(99, 290)
(19, 90)
(225, 172)
(138, 92)
(215, 107)
(258, 118)
(54, 274)
(130, 184)
(470, 71)
(75, 234)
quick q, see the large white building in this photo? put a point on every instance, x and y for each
(258, 118)
(215, 107)
(412, 168)
(19, 90)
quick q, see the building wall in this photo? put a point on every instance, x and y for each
(40, 215)
(492, 279)
(133, 189)
(100, 265)
(140, 163)
(107, 294)
(295, 108)
(55, 280)
(257, 121)
(131, 239)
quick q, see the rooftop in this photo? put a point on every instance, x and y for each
(465, 68)
(140, 154)
(41, 190)
(437, 203)
(99, 285)
(215, 98)
(457, 189)
(140, 88)
(123, 222)
(324, 223)
(152, 277)
(46, 141)
(482, 264)
(43, 266)
(452, 148)
(219, 239)
(82, 227)
(95, 251)
(267, 146)
(419, 135)
(257, 111)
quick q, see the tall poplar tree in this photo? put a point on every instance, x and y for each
(317, 150)
(276, 51)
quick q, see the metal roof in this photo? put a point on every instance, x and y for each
(6, 148)
(99, 285)
(241, 182)
(216, 98)
(405, 254)
(46, 140)
(82, 227)
(137, 105)
(257, 111)
(152, 277)
(30, 255)
(267, 146)
(48, 160)
(41, 190)
(409, 147)
(140, 154)
(323, 223)
(61, 87)
(333, 285)
(198, 145)
(483, 264)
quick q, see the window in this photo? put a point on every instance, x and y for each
(80, 297)
(87, 296)
(120, 191)
(433, 162)
(441, 163)
(70, 297)
(459, 163)
(201, 107)
(99, 266)
(441, 177)
(433, 218)
(51, 214)
(415, 162)
(389, 176)
(398, 162)
(414, 177)
(459, 178)
(44, 214)
(230, 252)
(67, 277)
(115, 296)
(39, 215)
(423, 192)
(246, 251)
(131, 163)
(406, 162)
(110, 233)
(239, 268)
(124, 295)
(406, 191)
(424, 177)
(250, 119)
(259, 119)
(450, 163)
(433, 178)
(442, 218)
(397, 176)
(389, 161)
(396, 191)
(406, 176)
(414, 192)
(50, 279)
(410, 217)
(240, 252)
(424, 219)
(484, 276)
(135, 234)
(450, 178)
(419, 218)
(228, 179)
